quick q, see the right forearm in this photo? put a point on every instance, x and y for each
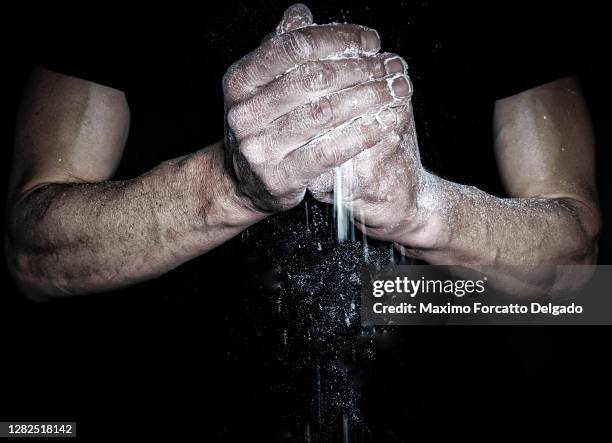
(71, 238)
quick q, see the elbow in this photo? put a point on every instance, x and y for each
(591, 247)
(18, 264)
(585, 246)
(580, 250)
(34, 281)
(22, 268)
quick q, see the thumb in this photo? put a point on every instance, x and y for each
(295, 17)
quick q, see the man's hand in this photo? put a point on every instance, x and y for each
(381, 187)
(305, 102)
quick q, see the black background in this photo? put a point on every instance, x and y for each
(177, 355)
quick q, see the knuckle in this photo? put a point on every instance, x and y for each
(371, 93)
(230, 78)
(375, 67)
(272, 182)
(235, 83)
(327, 155)
(302, 77)
(296, 45)
(357, 139)
(395, 138)
(321, 111)
(240, 118)
(362, 136)
(249, 149)
(379, 91)
(233, 118)
(302, 43)
(323, 184)
(280, 43)
(318, 77)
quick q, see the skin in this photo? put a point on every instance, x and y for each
(545, 148)
(294, 112)
(278, 142)
(73, 230)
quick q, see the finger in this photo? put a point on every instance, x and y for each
(295, 17)
(301, 125)
(338, 146)
(352, 179)
(371, 169)
(369, 195)
(276, 56)
(322, 187)
(307, 83)
(366, 164)
(360, 170)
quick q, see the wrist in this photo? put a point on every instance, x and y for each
(221, 201)
(428, 228)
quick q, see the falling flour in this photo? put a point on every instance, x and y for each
(316, 259)
(342, 215)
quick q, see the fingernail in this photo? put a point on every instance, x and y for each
(370, 42)
(395, 65)
(386, 118)
(400, 86)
